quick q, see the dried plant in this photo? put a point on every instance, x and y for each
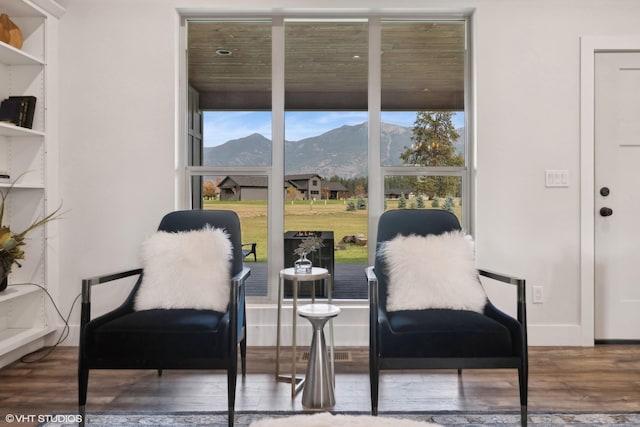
(309, 244)
(11, 243)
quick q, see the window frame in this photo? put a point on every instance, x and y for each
(275, 172)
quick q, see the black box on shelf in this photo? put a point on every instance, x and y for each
(18, 110)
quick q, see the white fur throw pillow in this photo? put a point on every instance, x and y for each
(433, 271)
(186, 270)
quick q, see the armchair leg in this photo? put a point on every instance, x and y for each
(243, 355)
(374, 376)
(374, 393)
(83, 381)
(232, 373)
(523, 381)
(82, 411)
(232, 416)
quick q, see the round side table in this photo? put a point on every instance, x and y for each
(318, 392)
(317, 273)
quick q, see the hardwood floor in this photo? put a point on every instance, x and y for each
(600, 378)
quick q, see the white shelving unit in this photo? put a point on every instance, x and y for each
(25, 321)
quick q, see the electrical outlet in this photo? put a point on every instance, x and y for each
(538, 295)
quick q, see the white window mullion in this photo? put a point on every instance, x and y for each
(276, 178)
(376, 182)
(468, 182)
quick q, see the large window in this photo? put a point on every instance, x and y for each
(229, 129)
(313, 124)
(325, 153)
(422, 90)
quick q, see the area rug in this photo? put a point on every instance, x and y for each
(339, 420)
(445, 418)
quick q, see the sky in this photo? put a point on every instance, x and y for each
(223, 126)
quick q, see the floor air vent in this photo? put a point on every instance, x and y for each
(340, 356)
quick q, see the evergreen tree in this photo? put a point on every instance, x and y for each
(402, 201)
(420, 201)
(433, 138)
(449, 203)
(362, 204)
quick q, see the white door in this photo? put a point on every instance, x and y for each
(617, 198)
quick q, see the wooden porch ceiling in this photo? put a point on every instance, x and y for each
(326, 65)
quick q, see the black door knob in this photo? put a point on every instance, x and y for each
(604, 191)
(606, 211)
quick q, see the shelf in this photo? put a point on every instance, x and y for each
(14, 338)
(20, 8)
(22, 187)
(9, 55)
(24, 314)
(13, 130)
(13, 292)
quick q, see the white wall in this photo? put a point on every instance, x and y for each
(118, 110)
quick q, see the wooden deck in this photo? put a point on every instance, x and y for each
(348, 282)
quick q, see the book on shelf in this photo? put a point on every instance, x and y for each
(18, 110)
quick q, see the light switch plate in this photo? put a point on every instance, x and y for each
(538, 295)
(556, 178)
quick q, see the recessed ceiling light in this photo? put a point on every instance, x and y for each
(223, 52)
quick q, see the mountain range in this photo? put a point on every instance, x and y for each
(339, 152)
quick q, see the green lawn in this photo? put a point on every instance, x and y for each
(330, 215)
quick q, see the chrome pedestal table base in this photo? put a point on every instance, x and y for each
(318, 392)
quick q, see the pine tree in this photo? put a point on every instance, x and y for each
(362, 204)
(402, 201)
(433, 138)
(449, 203)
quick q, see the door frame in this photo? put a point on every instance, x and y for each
(589, 46)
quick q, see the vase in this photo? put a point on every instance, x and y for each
(9, 32)
(303, 265)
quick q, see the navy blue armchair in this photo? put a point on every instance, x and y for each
(180, 338)
(440, 338)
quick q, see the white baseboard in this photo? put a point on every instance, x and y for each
(555, 335)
